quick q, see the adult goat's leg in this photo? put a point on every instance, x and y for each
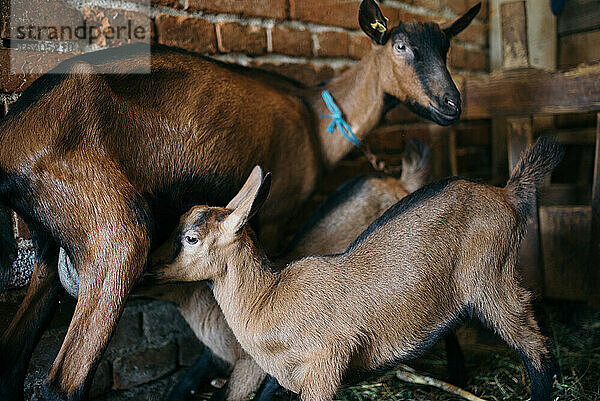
(109, 242)
(31, 319)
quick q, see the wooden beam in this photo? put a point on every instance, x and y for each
(513, 20)
(594, 282)
(531, 91)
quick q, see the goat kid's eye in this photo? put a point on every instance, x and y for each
(191, 240)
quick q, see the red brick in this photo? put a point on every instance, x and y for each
(194, 34)
(326, 12)
(405, 16)
(431, 4)
(308, 74)
(332, 44)
(178, 4)
(43, 13)
(291, 41)
(459, 7)
(234, 37)
(360, 44)
(253, 8)
(28, 66)
(474, 33)
(144, 365)
(474, 60)
(110, 17)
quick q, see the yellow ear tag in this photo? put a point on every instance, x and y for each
(379, 26)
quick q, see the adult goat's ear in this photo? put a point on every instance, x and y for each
(373, 22)
(456, 27)
(248, 201)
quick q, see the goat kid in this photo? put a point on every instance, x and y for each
(444, 252)
(102, 161)
(329, 229)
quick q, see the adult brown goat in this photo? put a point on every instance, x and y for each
(102, 161)
(446, 251)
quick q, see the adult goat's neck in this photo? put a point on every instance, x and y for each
(359, 95)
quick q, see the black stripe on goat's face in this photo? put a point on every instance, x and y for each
(187, 255)
(417, 73)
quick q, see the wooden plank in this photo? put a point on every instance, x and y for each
(573, 136)
(520, 135)
(594, 288)
(452, 152)
(513, 20)
(565, 194)
(579, 48)
(531, 91)
(579, 15)
(564, 234)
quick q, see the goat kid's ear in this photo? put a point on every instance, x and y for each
(248, 201)
(373, 22)
(460, 24)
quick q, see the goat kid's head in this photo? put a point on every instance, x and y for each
(206, 236)
(412, 61)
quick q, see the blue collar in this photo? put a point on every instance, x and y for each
(338, 120)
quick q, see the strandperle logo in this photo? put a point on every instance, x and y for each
(45, 32)
(87, 32)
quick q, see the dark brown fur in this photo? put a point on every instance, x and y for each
(103, 163)
(448, 249)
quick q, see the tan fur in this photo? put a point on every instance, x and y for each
(332, 233)
(325, 318)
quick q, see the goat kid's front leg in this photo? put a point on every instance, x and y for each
(105, 280)
(30, 321)
(322, 378)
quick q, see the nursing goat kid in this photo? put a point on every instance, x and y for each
(446, 251)
(329, 229)
(102, 160)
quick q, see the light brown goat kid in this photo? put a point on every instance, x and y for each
(446, 251)
(329, 229)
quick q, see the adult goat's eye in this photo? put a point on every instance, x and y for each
(400, 47)
(191, 240)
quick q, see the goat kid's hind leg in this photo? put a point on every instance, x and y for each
(456, 361)
(508, 311)
(34, 314)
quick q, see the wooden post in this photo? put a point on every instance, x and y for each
(515, 54)
(594, 272)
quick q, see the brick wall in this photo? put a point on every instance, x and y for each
(307, 40)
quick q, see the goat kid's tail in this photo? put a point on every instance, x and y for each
(415, 165)
(533, 166)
